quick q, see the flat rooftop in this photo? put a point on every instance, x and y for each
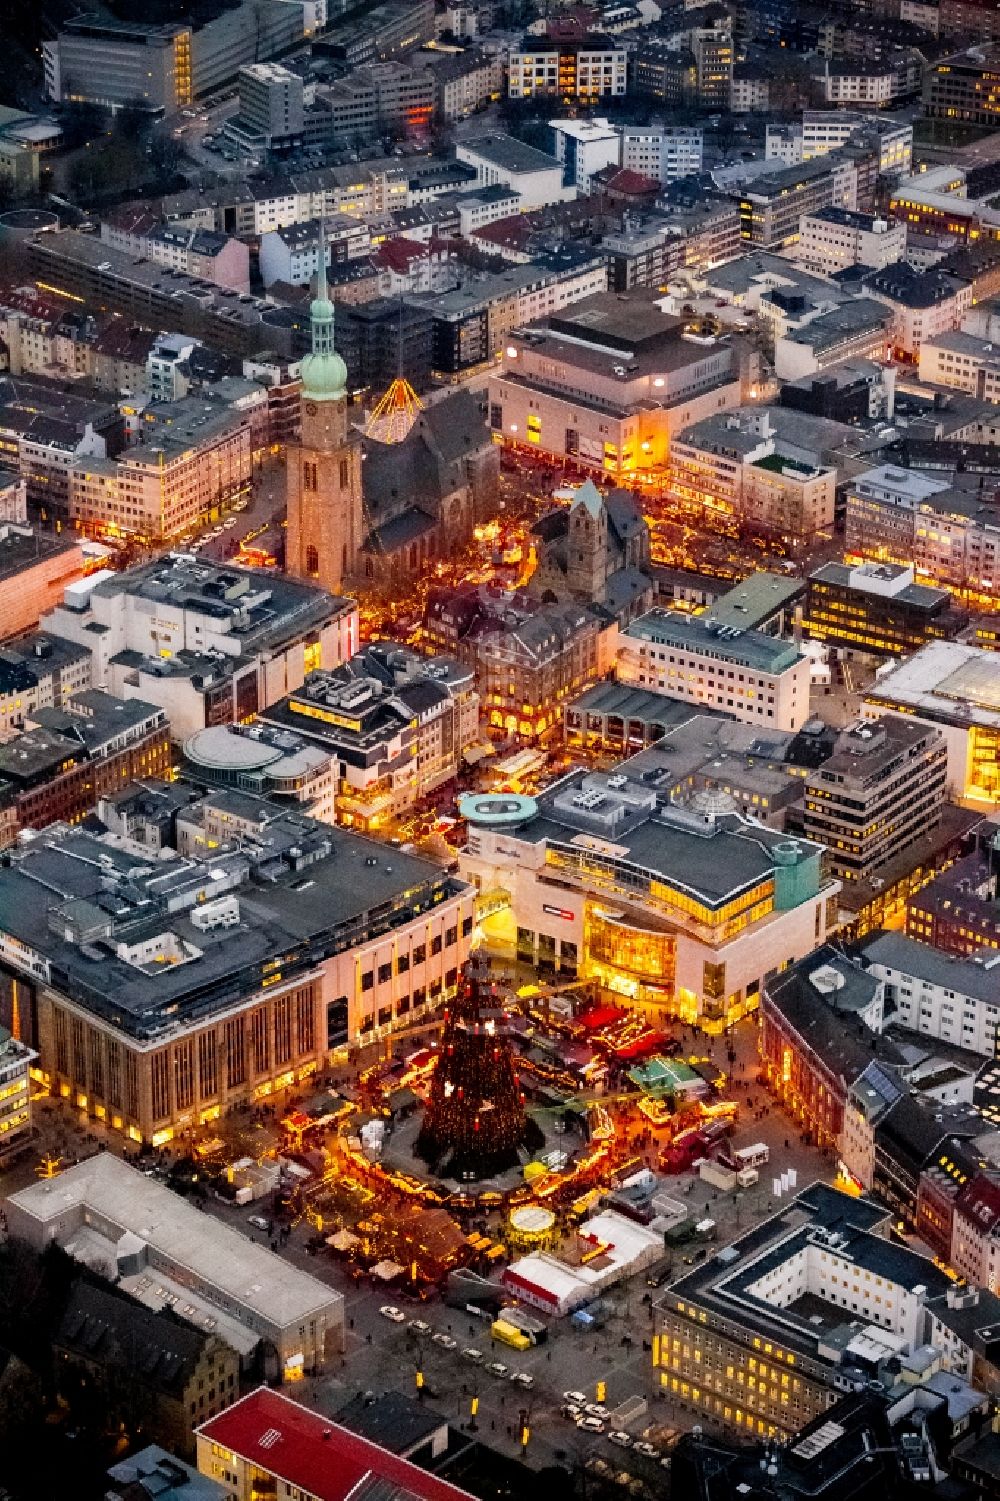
(755, 601)
(215, 1256)
(947, 682)
(704, 847)
(701, 634)
(305, 890)
(880, 581)
(510, 154)
(724, 1284)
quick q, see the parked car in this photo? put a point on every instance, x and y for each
(392, 1313)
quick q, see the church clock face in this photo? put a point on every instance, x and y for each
(311, 408)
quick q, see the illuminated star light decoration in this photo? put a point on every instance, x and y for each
(394, 413)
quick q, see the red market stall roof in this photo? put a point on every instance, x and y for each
(601, 1016)
(641, 1047)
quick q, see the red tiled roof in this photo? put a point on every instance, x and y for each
(307, 1450)
(624, 180)
(513, 230)
(400, 252)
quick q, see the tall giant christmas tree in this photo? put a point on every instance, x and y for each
(475, 1119)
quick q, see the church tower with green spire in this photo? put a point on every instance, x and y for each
(324, 535)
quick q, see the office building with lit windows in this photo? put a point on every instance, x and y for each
(953, 688)
(767, 1335)
(58, 767)
(881, 791)
(877, 608)
(207, 643)
(755, 677)
(160, 989)
(15, 1097)
(677, 902)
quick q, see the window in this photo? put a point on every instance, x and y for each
(368, 979)
(384, 973)
(312, 561)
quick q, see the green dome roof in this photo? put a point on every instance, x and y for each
(324, 374)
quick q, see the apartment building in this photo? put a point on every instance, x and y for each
(472, 325)
(585, 147)
(963, 362)
(223, 977)
(35, 568)
(924, 304)
(820, 1038)
(758, 678)
(64, 760)
(467, 83)
(290, 254)
(366, 189)
(39, 671)
(195, 461)
(205, 254)
(208, 644)
(698, 237)
(879, 793)
(938, 995)
(593, 68)
(951, 535)
(662, 152)
(834, 239)
(529, 659)
(678, 902)
(975, 1236)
